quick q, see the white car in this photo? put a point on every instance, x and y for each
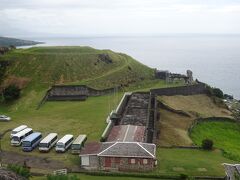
(4, 118)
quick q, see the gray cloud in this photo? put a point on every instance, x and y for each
(109, 17)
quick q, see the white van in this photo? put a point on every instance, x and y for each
(17, 129)
(78, 143)
(64, 143)
(48, 142)
(18, 138)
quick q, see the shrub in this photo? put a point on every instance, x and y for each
(217, 92)
(62, 177)
(207, 144)
(183, 176)
(22, 171)
(12, 92)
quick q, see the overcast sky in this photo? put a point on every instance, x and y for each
(117, 17)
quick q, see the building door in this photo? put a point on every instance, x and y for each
(85, 160)
(108, 162)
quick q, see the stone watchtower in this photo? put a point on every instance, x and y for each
(190, 77)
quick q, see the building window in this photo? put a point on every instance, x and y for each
(133, 161)
(145, 161)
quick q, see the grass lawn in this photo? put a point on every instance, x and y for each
(87, 117)
(190, 162)
(88, 177)
(224, 134)
(76, 117)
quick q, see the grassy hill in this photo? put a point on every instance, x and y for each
(76, 65)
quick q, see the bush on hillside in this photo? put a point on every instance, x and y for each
(207, 144)
(12, 92)
(183, 176)
(20, 170)
(2, 73)
(215, 92)
(218, 92)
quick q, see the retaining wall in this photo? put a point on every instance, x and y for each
(72, 93)
(199, 88)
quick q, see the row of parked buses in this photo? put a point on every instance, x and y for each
(29, 140)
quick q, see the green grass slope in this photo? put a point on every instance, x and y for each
(75, 65)
(224, 134)
(192, 162)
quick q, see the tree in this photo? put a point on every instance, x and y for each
(207, 144)
(218, 92)
(12, 92)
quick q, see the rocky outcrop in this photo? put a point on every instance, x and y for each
(9, 175)
(105, 58)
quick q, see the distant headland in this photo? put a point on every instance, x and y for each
(7, 42)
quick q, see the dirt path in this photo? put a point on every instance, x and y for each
(31, 161)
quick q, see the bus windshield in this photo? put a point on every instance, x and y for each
(60, 146)
(26, 144)
(15, 138)
(76, 146)
(43, 145)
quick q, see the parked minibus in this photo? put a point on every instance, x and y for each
(18, 138)
(48, 142)
(78, 143)
(17, 129)
(31, 141)
(64, 143)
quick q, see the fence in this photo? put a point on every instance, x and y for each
(60, 172)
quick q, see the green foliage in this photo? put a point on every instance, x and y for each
(207, 144)
(236, 176)
(2, 73)
(11, 93)
(225, 135)
(22, 171)
(183, 176)
(217, 92)
(129, 175)
(62, 177)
